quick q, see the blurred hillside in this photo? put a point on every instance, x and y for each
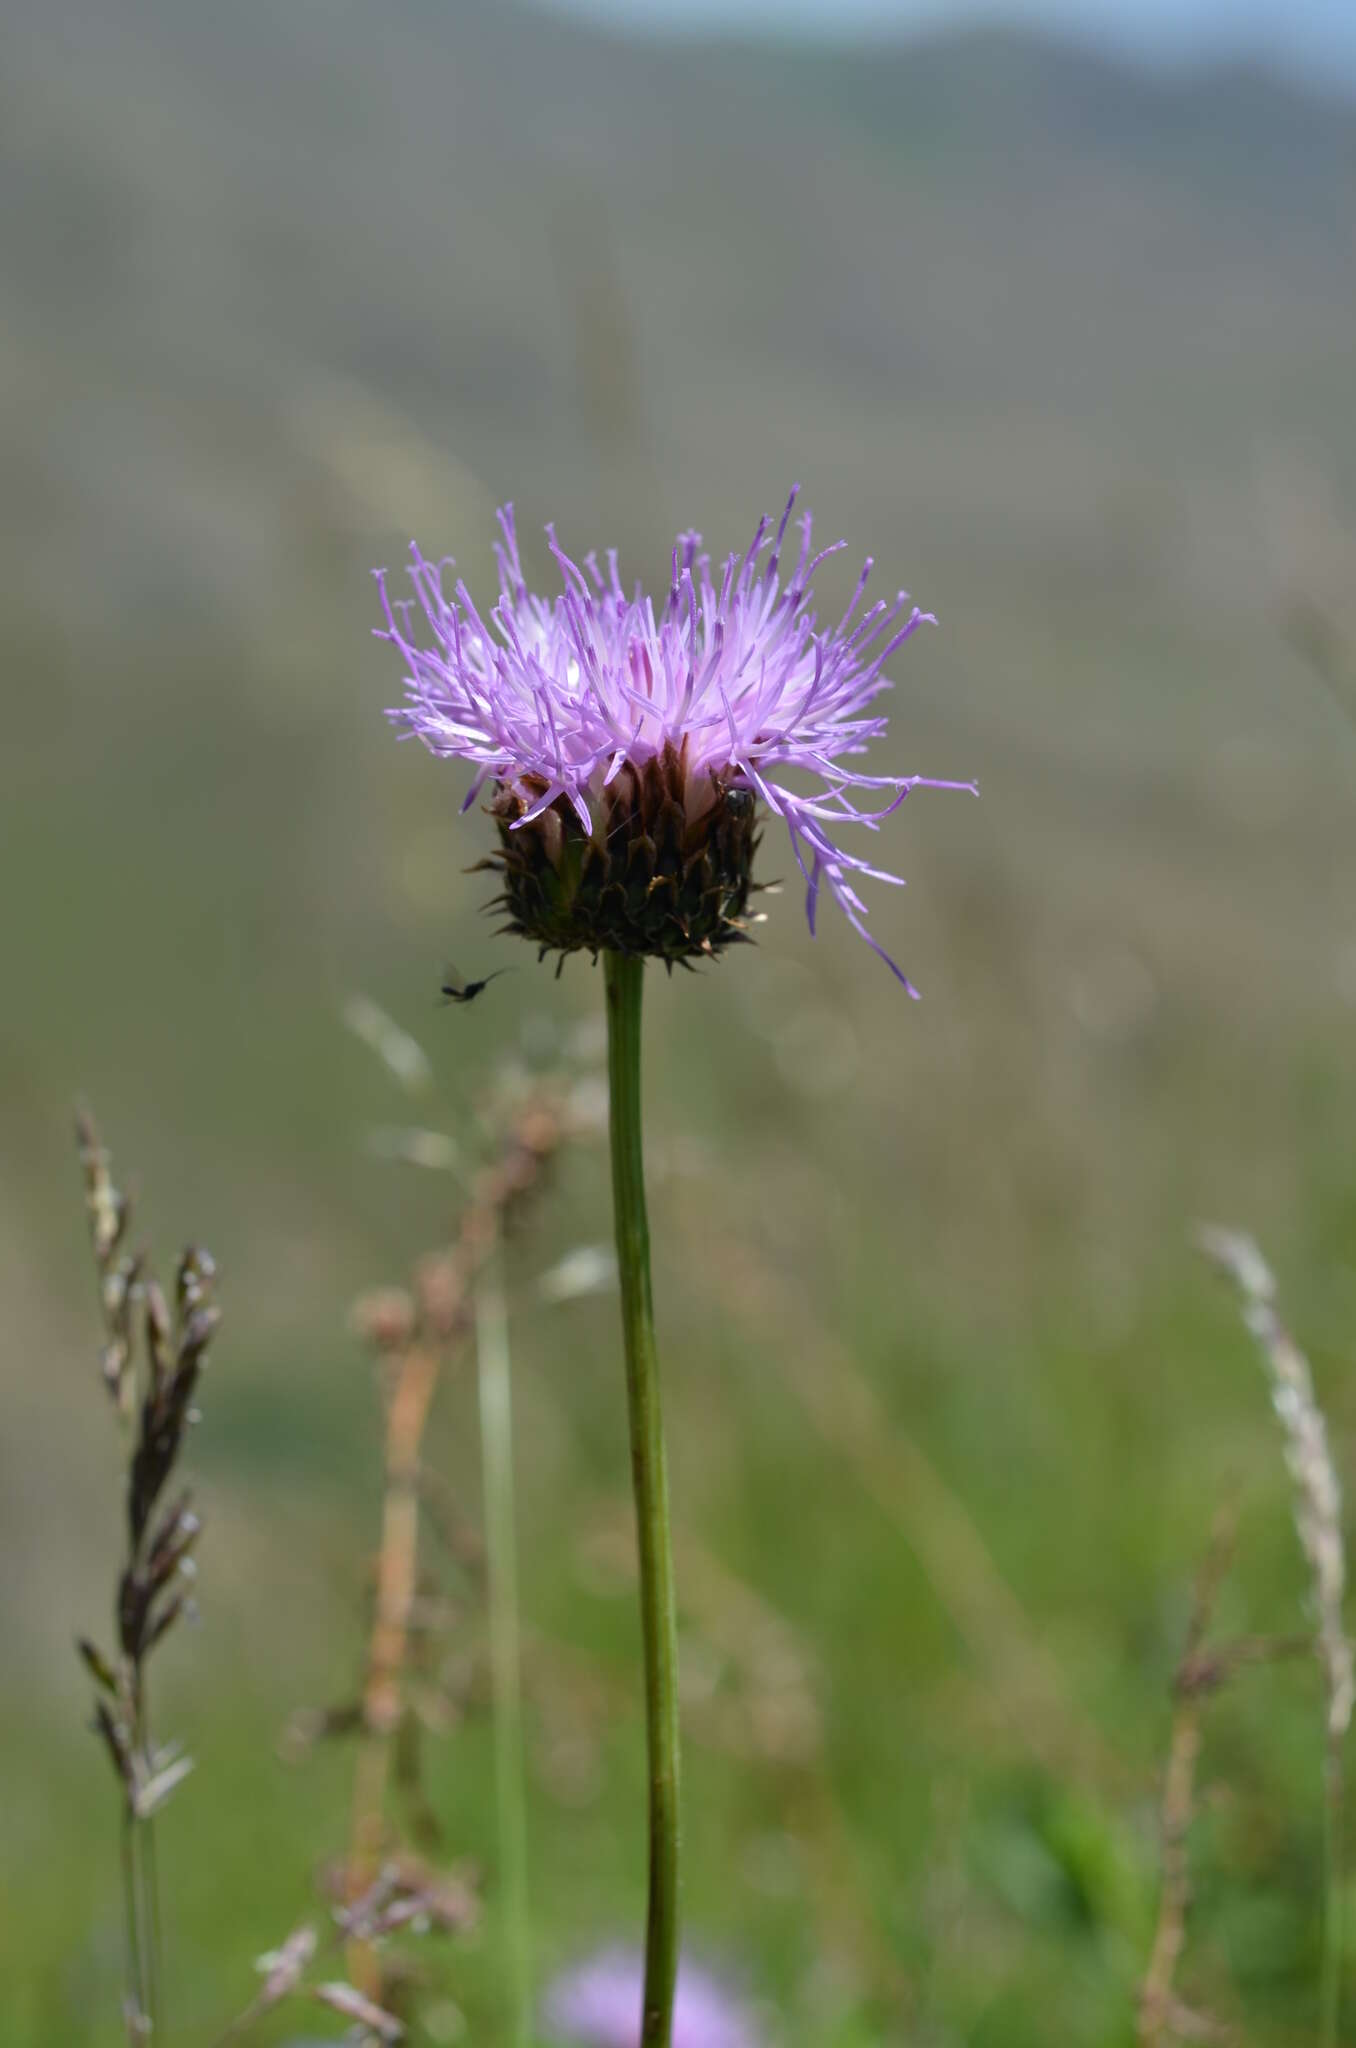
(1070, 351)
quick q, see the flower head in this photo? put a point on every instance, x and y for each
(598, 2005)
(628, 747)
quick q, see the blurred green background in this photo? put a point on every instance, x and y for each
(1070, 348)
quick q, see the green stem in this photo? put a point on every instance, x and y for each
(144, 1843)
(134, 1989)
(496, 1442)
(624, 978)
(1331, 1994)
(154, 1942)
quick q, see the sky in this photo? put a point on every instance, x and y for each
(1316, 38)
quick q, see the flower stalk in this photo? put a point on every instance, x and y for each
(624, 981)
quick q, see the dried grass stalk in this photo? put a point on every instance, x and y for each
(151, 1361)
(1318, 1522)
(415, 1335)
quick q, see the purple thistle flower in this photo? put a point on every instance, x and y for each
(592, 706)
(597, 2004)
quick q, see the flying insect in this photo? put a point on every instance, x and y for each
(456, 989)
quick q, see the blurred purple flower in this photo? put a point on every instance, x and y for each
(550, 699)
(597, 2004)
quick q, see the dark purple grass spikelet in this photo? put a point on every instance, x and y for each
(597, 2004)
(550, 700)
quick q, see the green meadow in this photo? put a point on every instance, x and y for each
(954, 1402)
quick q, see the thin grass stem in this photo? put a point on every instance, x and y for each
(150, 1878)
(134, 1988)
(501, 1556)
(1331, 1983)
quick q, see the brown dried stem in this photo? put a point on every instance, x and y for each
(1163, 2016)
(1161, 2013)
(416, 1336)
(405, 1897)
